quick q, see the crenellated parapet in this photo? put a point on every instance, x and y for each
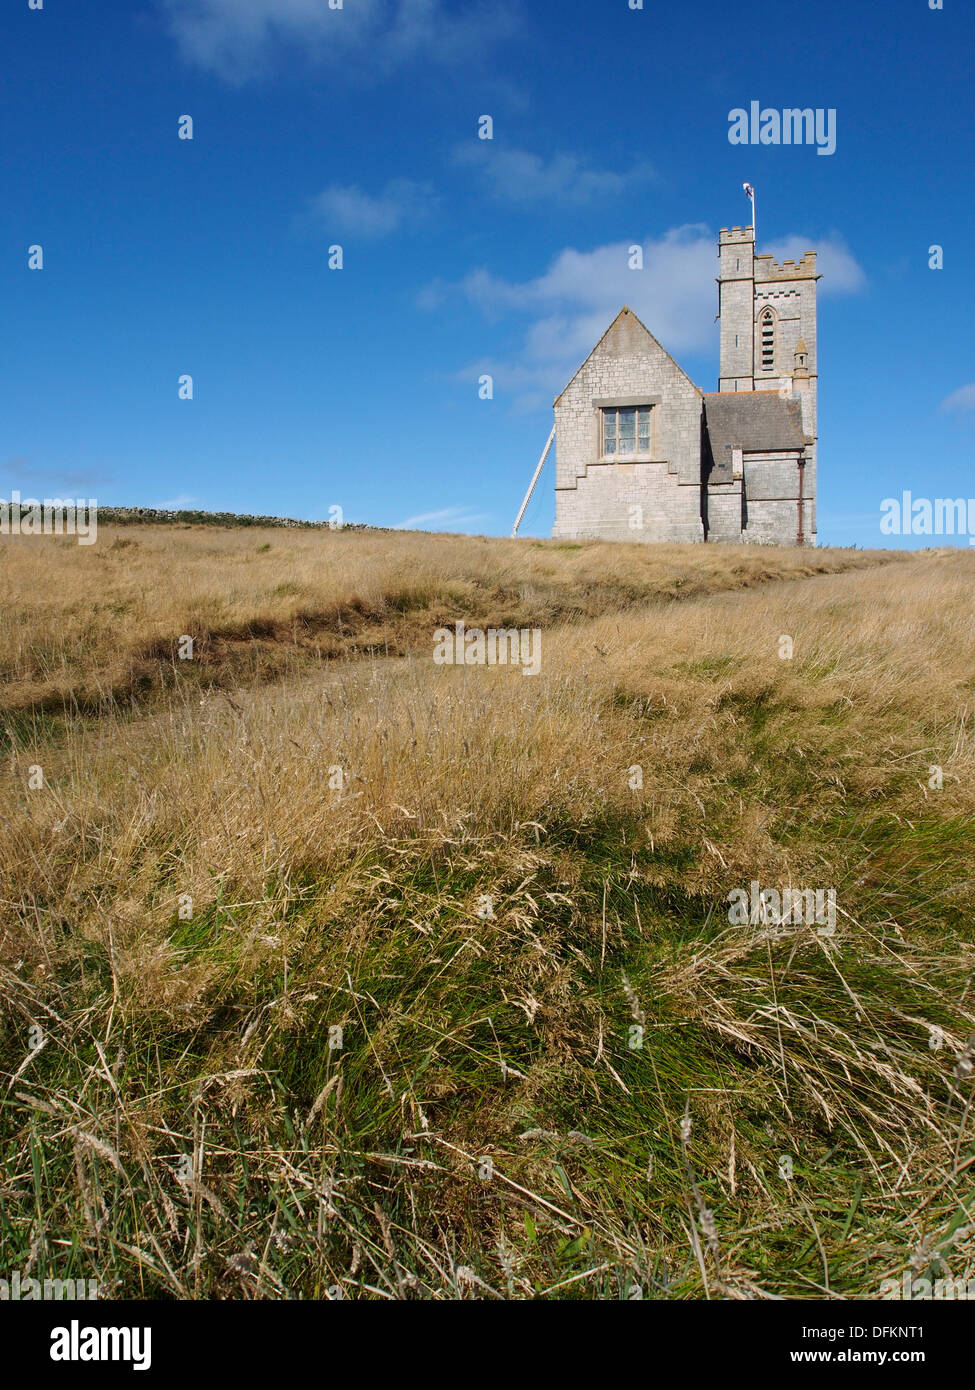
(767, 268)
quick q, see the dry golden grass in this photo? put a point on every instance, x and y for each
(241, 785)
(315, 905)
(80, 625)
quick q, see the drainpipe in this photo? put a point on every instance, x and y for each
(800, 538)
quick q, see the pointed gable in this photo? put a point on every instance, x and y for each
(626, 336)
(628, 370)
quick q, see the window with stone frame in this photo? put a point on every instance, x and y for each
(627, 431)
(766, 324)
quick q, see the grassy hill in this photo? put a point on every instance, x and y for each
(329, 971)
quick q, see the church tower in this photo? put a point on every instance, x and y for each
(768, 330)
(765, 310)
(736, 308)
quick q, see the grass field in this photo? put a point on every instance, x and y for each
(328, 971)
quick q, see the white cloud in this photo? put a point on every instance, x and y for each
(175, 504)
(962, 399)
(348, 209)
(573, 302)
(447, 519)
(841, 272)
(519, 176)
(241, 39)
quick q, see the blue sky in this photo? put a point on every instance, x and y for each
(359, 387)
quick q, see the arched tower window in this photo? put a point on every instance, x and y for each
(766, 338)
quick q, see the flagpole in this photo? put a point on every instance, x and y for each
(750, 195)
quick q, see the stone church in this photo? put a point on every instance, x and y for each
(642, 454)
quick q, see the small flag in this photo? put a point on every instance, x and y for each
(749, 191)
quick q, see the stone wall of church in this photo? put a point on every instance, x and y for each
(771, 500)
(654, 500)
(629, 502)
(736, 308)
(724, 511)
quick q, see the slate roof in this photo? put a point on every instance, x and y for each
(757, 422)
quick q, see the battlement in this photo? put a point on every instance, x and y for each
(767, 268)
(736, 234)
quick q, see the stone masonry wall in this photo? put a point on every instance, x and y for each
(771, 486)
(654, 500)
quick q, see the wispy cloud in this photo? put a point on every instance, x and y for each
(347, 209)
(175, 504)
(572, 303)
(54, 480)
(518, 176)
(446, 519)
(245, 39)
(841, 272)
(14, 465)
(962, 399)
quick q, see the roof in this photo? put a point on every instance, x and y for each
(628, 327)
(757, 422)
